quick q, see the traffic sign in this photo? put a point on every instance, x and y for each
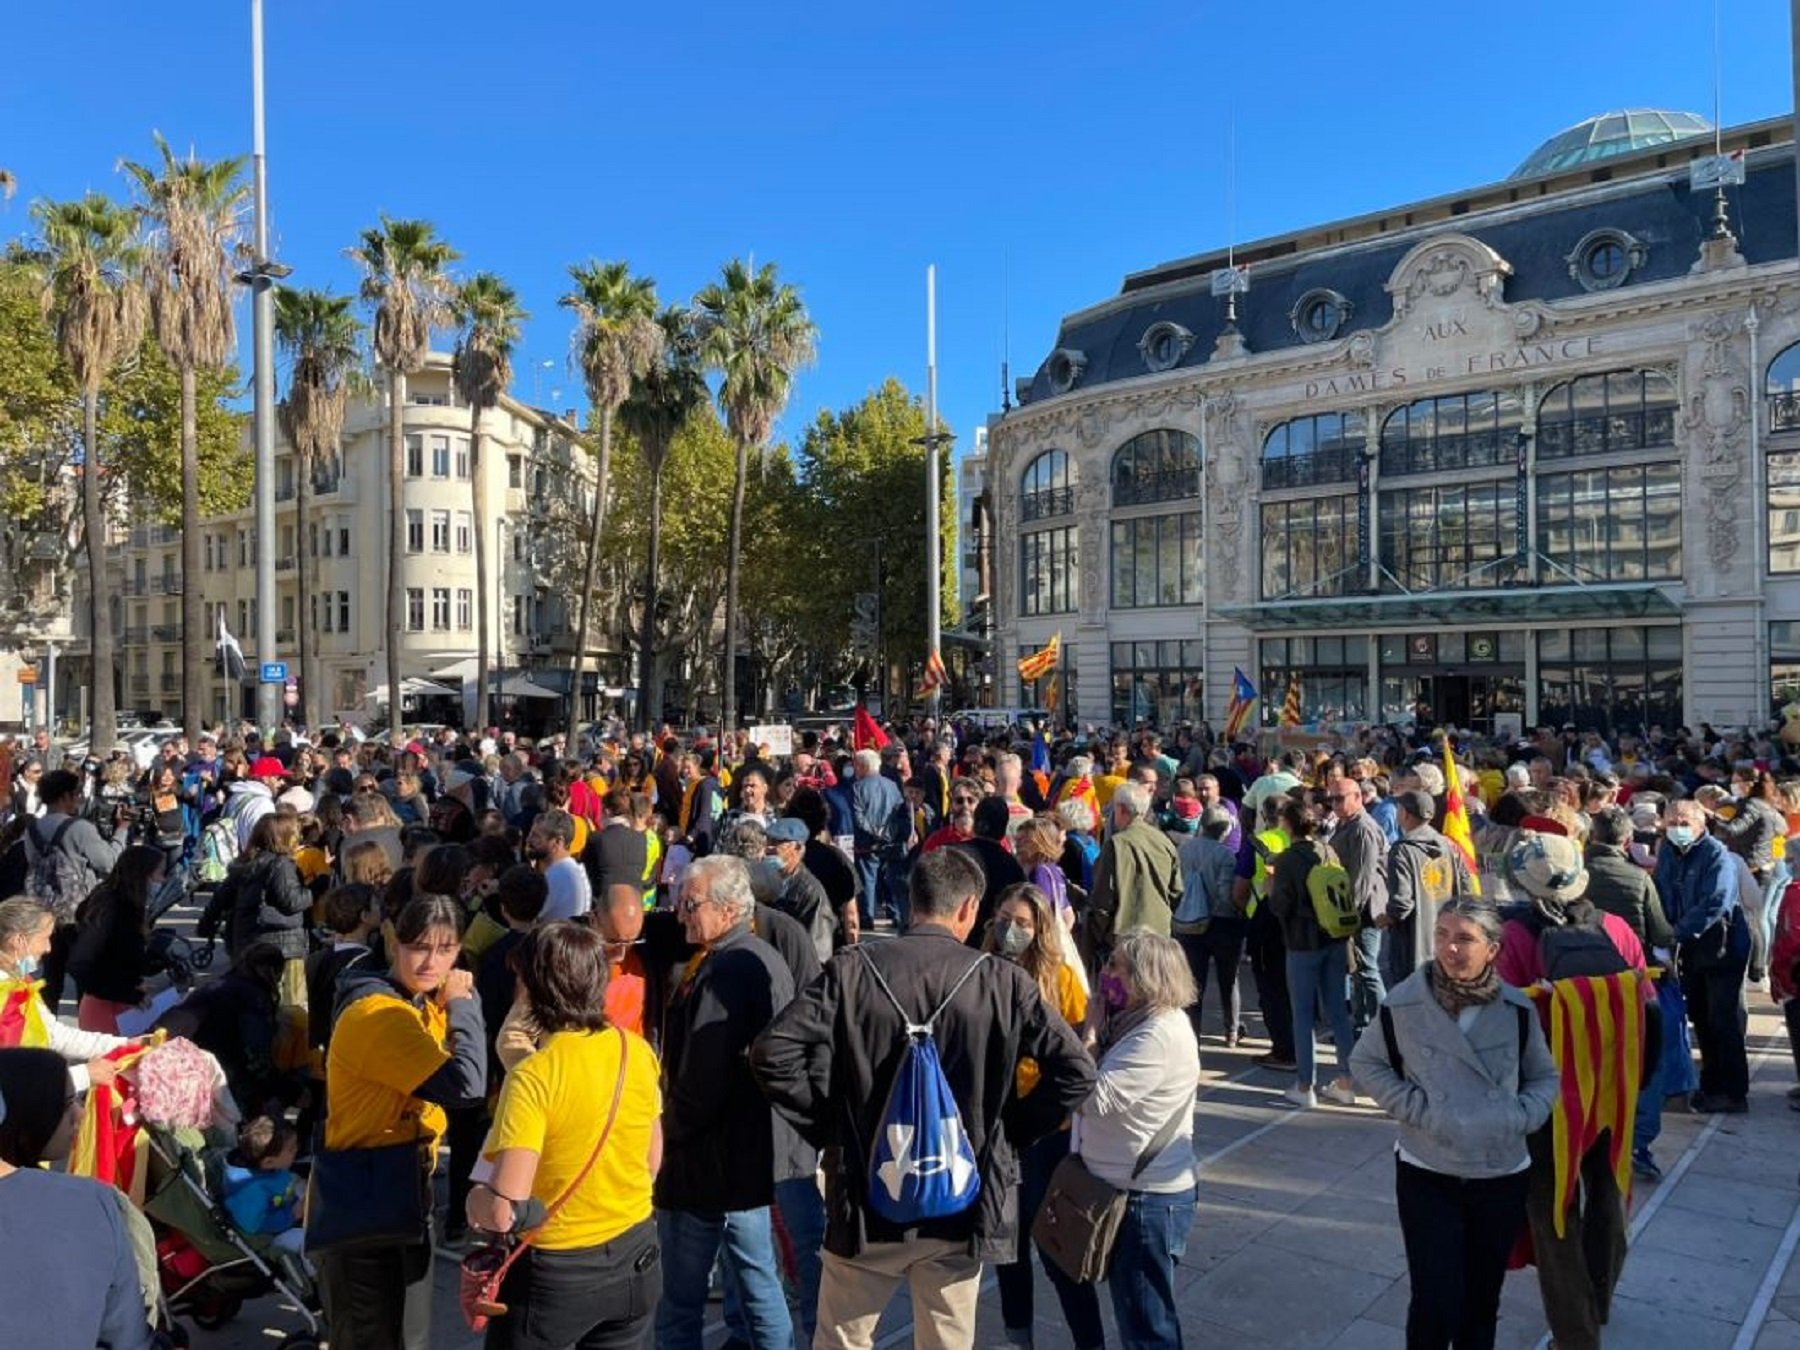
(274, 672)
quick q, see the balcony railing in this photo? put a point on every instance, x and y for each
(1784, 411)
(169, 583)
(1143, 488)
(285, 563)
(166, 632)
(135, 632)
(1336, 465)
(1049, 502)
(1563, 437)
(284, 492)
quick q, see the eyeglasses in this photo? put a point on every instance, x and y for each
(692, 906)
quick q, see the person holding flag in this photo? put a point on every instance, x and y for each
(1456, 818)
(1241, 712)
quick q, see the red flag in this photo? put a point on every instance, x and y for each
(865, 733)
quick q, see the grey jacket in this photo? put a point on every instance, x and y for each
(1362, 847)
(1466, 1104)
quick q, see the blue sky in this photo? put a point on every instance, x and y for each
(1054, 146)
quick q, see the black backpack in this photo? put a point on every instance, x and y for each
(1579, 947)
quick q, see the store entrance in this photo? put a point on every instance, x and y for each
(1455, 697)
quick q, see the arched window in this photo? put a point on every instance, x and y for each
(1782, 389)
(1156, 466)
(1312, 450)
(1048, 486)
(1459, 431)
(1606, 413)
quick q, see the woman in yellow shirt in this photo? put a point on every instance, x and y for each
(590, 1276)
(1025, 931)
(405, 1044)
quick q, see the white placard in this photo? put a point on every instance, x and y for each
(777, 739)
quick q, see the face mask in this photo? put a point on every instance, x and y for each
(1682, 836)
(1013, 938)
(1113, 991)
(27, 967)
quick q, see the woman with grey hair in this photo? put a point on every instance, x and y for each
(1080, 849)
(1137, 1131)
(1458, 1058)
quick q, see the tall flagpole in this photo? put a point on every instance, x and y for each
(268, 695)
(934, 564)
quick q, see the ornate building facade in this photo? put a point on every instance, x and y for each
(1528, 453)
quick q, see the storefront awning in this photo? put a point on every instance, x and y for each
(1458, 609)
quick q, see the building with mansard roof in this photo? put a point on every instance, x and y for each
(1521, 454)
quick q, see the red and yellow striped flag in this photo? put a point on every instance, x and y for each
(1456, 817)
(1040, 664)
(935, 675)
(1290, 706)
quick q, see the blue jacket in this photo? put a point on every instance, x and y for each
(878, 814)
(1699, 889)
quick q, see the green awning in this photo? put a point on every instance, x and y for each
(1518, 604)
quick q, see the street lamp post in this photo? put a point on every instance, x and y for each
(262, 275)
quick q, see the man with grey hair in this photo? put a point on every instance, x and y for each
(722, 1145)
(1009, 778)
(881, 828)
(1137, 882)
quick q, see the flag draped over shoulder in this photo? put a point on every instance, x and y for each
(1041, 663)
(1242, 707)
(1456, 817)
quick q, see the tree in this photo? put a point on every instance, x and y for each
(92, 261)
(405, 283)
(756, 333)
(195, 211)
(322, 341)
(488, 313)
(140, 439)
(616, 340)
(661, 402)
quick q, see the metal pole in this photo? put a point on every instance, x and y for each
(268, 696)
(934, 581)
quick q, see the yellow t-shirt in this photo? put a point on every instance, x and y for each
(1104, 786)
(382, 1047)
(1072, 1003)
(554, 1103)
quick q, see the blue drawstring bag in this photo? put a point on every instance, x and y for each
(1678, 1073)
(922, 1166)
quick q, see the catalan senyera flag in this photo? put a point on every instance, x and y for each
(1290, 705)
(110, 1144)
(1040, 664)
(1053, 692)
(1456, 817)
(936, 677)
(1242, 706)
(1595, 1026)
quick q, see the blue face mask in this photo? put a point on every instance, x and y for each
(1682, 836)
(27, 967)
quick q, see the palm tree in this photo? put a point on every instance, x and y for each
(404, 281)
(195, 210)
(488, 313)
(616, 340)
(9, 184)
(755, 332)
(661, 401)
(92, 259)
(322, 341)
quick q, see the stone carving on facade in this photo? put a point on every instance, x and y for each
(1716, 417)
(1360, 349)
(1090, 509)
(1228, 488)
(1442, 266)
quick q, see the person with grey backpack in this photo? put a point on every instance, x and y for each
(66, 856)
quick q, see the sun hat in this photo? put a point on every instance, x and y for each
(1547, 867)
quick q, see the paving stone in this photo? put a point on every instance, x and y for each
(1636, 1322)
(1299, 1302)
(1770, 1207)
(1721, 1238)
(1688, 1283)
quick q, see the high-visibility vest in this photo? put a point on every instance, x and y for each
(1267, 845)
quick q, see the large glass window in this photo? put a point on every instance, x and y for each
(1048, 486)
(1333, 673)
(1781, 388)
(1458, 431)
(1309, 548)
(1160, 682)
(1048, 569)
(1784, 511)
(1601, 414)
(1620, 524)
(1311, 450)
(1444, 538)
(1156, 560)
(1157, 466)
(1610, 679)
(1784, 665)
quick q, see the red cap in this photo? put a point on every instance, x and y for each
(268, 767)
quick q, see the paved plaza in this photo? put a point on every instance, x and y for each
(1296, 1245)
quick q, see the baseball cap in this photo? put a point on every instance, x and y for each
(268, 767)
(1417, 803)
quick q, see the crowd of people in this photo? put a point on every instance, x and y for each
(664, 1003)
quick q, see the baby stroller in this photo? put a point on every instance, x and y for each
(208, 1266)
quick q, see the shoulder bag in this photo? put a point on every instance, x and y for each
(484, 1269)
(1079, 1220)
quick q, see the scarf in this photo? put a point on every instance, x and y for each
(1454, 995)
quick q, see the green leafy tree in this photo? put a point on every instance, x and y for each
(488, 316)
(662, 401)
(616, 341)
(92, 259)
(756, 333)
(322, 341)
(195, 211)
(39, 404)
(407, 285)
(141, 440)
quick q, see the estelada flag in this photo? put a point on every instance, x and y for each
(1456, 817)
(865, 732)
(1243, 704)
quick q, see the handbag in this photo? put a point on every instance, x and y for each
(1079, 1220)
(484, 1269)
(367, 1197)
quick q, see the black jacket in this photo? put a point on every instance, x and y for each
(1619, 886)
(828, 1062)
(803, 899)
(719, 1136)
(110, 956)
(1292, 902)
(831, 868)
(269, 904)
(1001, 870)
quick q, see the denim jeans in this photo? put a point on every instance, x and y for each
(1313, 976)
(691, 1241)
(802, 1212)
(873, 898)
(1080, 1302)
(1367, 988)
(1150, 1244)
